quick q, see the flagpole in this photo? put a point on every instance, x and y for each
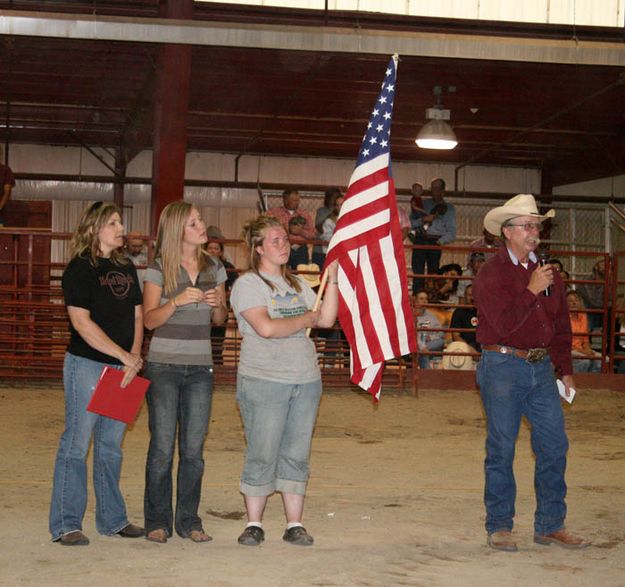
(322, 286)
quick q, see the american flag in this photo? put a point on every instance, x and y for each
(374, 303)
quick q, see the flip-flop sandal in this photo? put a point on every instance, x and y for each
(159, 535)
(199, 536)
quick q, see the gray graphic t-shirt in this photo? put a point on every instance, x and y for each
(290, 359)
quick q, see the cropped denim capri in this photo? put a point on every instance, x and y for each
(279, 419)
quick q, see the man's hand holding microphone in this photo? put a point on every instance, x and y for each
(541, 279)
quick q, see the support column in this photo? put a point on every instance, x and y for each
(171, 103)
(120, 178)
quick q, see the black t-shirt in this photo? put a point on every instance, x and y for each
(466, 318)
(110, 292)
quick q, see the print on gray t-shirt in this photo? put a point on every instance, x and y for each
(290, 359)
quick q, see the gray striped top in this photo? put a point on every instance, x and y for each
(185, 339)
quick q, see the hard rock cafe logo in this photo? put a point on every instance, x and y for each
(118, 282)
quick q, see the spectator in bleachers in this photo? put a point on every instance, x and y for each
(416, 201)
(329, 224)
(291, 207)
(585, 359)
(301, 253)
(137, 252)
(215, 240)
(486, 241)
(436, 227)
(592, 295)
(557, 265)
(329, 198)
(404, 222)
(476, 260)
(218, 333)
(417, 211)
(446, 287)
(103, 301)
(216, 250)
(302, 257)
(334, 336)
(433, 340)
(466, 318)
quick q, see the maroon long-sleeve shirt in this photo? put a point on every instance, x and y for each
(509, 314)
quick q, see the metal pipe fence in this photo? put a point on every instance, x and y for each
(34, 325)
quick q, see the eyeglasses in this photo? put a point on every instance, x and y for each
(528, 226)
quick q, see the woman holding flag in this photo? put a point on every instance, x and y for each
(278, 382)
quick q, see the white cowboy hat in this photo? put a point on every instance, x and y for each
(521, 205)
(458, 362)
(312, 279)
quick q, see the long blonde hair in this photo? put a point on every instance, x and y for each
(169, 243)
(254, 234)
(85, 239)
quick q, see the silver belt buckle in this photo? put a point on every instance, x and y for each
(536, 355)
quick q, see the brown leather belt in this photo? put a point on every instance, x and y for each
(530, 355)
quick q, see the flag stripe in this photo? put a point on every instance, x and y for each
(373, 291)
(353, 231)
(370, 167)
(396, 291)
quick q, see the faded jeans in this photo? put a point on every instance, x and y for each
(278, 419)
(69, 489)
(179, 398)
(511, 388)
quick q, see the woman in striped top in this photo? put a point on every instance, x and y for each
(183, 295)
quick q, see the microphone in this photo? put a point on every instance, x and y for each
(543, 259)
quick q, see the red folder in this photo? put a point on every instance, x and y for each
(110, 399)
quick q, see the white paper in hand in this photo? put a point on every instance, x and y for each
(561, 391)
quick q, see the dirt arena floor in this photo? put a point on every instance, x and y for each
(395, 498)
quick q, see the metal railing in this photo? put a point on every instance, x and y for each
(34, 325)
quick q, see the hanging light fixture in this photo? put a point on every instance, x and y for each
(437, 134)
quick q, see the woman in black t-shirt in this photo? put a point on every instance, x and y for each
(103, 302)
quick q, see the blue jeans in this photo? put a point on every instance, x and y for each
(586, 366)
(69, 489)
(180, 398)
(421, 258)
(278, 419)
(511, 388)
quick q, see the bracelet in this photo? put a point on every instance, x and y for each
(333, 282)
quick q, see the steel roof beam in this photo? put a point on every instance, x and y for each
(320, 39)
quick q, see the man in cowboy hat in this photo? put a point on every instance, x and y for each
(524, 334)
